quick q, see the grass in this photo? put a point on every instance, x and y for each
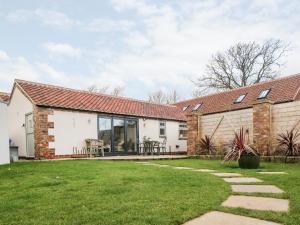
(95, 192)
(109, 193)
(290, 183)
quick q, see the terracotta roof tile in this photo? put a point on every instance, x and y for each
(54, 96)
(4, 96)
(284, 89)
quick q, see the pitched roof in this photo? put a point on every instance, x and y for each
(4, 96)
(60, 97)
(284, 89)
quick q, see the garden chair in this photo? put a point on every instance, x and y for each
(94, 147)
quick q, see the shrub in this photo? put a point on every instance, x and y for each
(239, 147)
(288, 143)
(207, 145)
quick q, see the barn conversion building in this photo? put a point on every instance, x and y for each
(264, 110)
(4, 140)
(47, 121)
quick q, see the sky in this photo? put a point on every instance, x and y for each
(139, 45)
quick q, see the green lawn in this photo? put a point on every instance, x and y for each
(118, 193)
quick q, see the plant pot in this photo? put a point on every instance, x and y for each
(249, 161)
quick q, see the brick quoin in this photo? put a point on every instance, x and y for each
(193, 133)
(41, 136)
(262, 126)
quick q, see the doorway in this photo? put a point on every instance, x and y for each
(119, 134)
(29, 135)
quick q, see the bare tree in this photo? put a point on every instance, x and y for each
(241, 65)
(105, 89)
(157, 97)
(172, 97)
(164, 98)
(117, 91)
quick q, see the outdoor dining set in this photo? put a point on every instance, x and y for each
(95, 147)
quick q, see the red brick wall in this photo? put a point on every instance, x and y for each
(262, 126)
(41, 135)
(193, 134)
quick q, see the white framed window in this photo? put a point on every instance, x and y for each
(240, 98)
(185, 108)
(264, 93)
(183, 130)
(162, 128)
(197, 106)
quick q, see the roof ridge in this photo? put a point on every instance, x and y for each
(93, 93)
(239, 88)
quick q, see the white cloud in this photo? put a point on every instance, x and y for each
(107, 25)
(62, 50)
(21, 68)
(3, 56)
(47, 17)
(178, 38)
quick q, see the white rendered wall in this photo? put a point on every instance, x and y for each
(149, 128)
(71, 128)
(17, 109)
(4, 140)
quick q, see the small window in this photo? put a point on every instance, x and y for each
(185, 108)
(263, 94)
(196, 107)
(182, 130)
(162, 129)
(240, 98)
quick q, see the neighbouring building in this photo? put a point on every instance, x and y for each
(47, 121)
(4, 140)
(264, 110)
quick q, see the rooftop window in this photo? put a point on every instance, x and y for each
(185, 108)
(240, 98)
(197, 106)
(264, 94)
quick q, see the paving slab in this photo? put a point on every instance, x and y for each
(205, 170)
(257, 203)
(227, 174)
(275, 173)
(256, 188)
(162, 165)
(182, 168)
(242, 180)
(221, 218)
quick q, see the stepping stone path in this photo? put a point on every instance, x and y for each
(227, 174)
(204, 170)
(257, 203)
(220, 218)
(182, 168)
(243, 180)
(239, 201)
(275, 173)
(256, 188)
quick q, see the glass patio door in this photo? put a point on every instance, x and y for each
(131, 136)
(119, 135)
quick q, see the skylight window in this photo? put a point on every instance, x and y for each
(240, 98)
(197, 106)
(264, 93)
(185, 108)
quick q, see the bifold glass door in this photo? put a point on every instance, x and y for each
(119, 134)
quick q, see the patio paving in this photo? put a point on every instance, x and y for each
(257, 203)
(204, 170)
(256, 189)
(242, 180)
(140, 157)
(220, 218)
(227, 174)
(275, 173)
